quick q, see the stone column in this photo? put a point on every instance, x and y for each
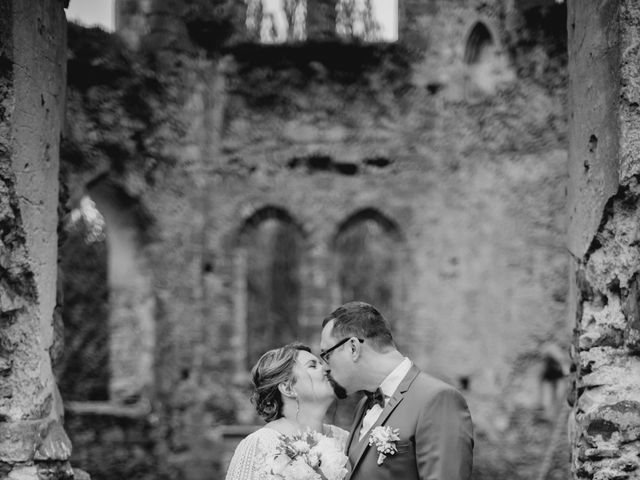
(604, 236)
(33, 443)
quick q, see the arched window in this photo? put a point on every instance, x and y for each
(280, 21)
(277, 21)
(368, 249)
(83, 373)
(107, 304)
(486, 65)
(270, 246)
(479, 44)
(368, 20)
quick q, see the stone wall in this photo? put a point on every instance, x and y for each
(33, 443)
(603, 238)
(210, 133)
(113, 444)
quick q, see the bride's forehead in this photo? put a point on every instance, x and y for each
(304, 356)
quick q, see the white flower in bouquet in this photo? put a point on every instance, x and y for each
(307, 456)
(298, 469)
(333, 461)
(276, 464)
(313, 458)
(300, 446)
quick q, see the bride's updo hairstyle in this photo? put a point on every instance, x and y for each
(272, 369)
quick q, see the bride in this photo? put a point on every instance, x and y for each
(292, 393)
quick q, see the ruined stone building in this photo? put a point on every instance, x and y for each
(229, 174)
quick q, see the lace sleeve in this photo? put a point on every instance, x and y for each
(340, 435)
(248, 460)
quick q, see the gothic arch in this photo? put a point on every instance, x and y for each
(268, 212)
(83, 367)
(268, 264)
(373, 214)
(479, 40)
(369, 251)
(485, 63)
(131, 299)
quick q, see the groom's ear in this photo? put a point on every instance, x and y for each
(356, 349)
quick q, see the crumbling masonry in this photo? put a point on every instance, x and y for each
(446, 148)
(604, 237)
(33, 443)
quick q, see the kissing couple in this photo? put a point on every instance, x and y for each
(408, 425)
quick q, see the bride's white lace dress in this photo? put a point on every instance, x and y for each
(251, 454)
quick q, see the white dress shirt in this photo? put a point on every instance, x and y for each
(388, 387)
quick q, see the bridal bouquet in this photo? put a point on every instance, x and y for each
(307, 456)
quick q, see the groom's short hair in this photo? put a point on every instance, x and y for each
(359, 319)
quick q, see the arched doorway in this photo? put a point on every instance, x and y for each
(269, 257)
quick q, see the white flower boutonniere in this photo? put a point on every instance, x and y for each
(384, 438)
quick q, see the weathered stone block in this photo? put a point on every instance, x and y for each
(606, 366)
(602, 337)
(33, 440)
(603, 311)
(24, 473)
(632, 337)
(56, 444)
(80, 474)
(18, 440)
(52, 470)
(599, 453)
(5, 365)
(599, 427)
(609, 474)
(631, 310)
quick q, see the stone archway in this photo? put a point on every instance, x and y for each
(131, 299)
(486, 66)
(368, 250)
(83, 369)
(268, 297)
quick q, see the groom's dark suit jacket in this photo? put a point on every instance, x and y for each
(436, 434)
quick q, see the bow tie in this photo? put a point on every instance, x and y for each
(374, 397)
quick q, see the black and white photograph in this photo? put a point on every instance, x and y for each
(319, 240)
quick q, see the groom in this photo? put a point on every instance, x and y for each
(435, 433)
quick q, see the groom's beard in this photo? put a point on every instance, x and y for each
(338, 389)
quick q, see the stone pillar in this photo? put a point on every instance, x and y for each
(33, 443)
(604, 237)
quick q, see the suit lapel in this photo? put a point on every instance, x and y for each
(394, 401)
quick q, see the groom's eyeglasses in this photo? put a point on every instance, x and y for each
(325, 354)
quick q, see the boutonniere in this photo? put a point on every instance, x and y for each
(384, 438)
